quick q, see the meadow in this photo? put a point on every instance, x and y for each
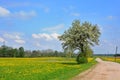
(46, 68)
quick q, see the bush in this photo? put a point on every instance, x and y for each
(81, 59)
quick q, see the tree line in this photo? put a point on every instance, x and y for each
(6, 51)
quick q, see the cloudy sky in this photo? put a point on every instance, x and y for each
(36, 24)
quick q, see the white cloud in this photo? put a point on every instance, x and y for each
(42, 36)
(4, 12)
(45, 36)
(35, 36)
(55, 35)
(15, 37)
(36, 43)
(48, 37)
(110, 17)
(54, 29)
(20, 14)
(43, 43)
(1, 39)
(71, 11)
(11, 36)
(20, 41)
(24, 15)
(75, 14)
(46, 9)
(69, 8)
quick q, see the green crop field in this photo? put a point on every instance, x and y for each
(47, 68)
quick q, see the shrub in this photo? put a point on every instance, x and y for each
(81, 58)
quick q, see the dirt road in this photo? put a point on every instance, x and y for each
(104, 70)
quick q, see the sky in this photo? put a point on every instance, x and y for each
(36, 24)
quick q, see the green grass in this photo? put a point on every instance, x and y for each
(47, 68)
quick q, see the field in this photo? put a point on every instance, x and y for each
(112, 59)
(47, 68)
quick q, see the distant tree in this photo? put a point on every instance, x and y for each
(117, 55)
(21, 52)
(16, 52)
(55, 53)
(35, 53)
(80, 36)
(28, 53)
(10, 53)
(4, 51)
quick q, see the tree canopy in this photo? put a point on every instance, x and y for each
(80, 36)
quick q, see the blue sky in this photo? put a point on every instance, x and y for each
(36, 24)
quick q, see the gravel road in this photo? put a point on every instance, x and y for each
(104, 70)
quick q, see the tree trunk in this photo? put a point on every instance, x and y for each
(82, 57)
(78, 58)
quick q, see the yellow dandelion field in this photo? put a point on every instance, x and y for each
(117, 59)
(47, 68)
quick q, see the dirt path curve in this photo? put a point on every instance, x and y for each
(104, 70)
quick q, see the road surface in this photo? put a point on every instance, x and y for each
(104, 70)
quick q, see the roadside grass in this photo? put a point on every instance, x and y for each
(46, 68)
